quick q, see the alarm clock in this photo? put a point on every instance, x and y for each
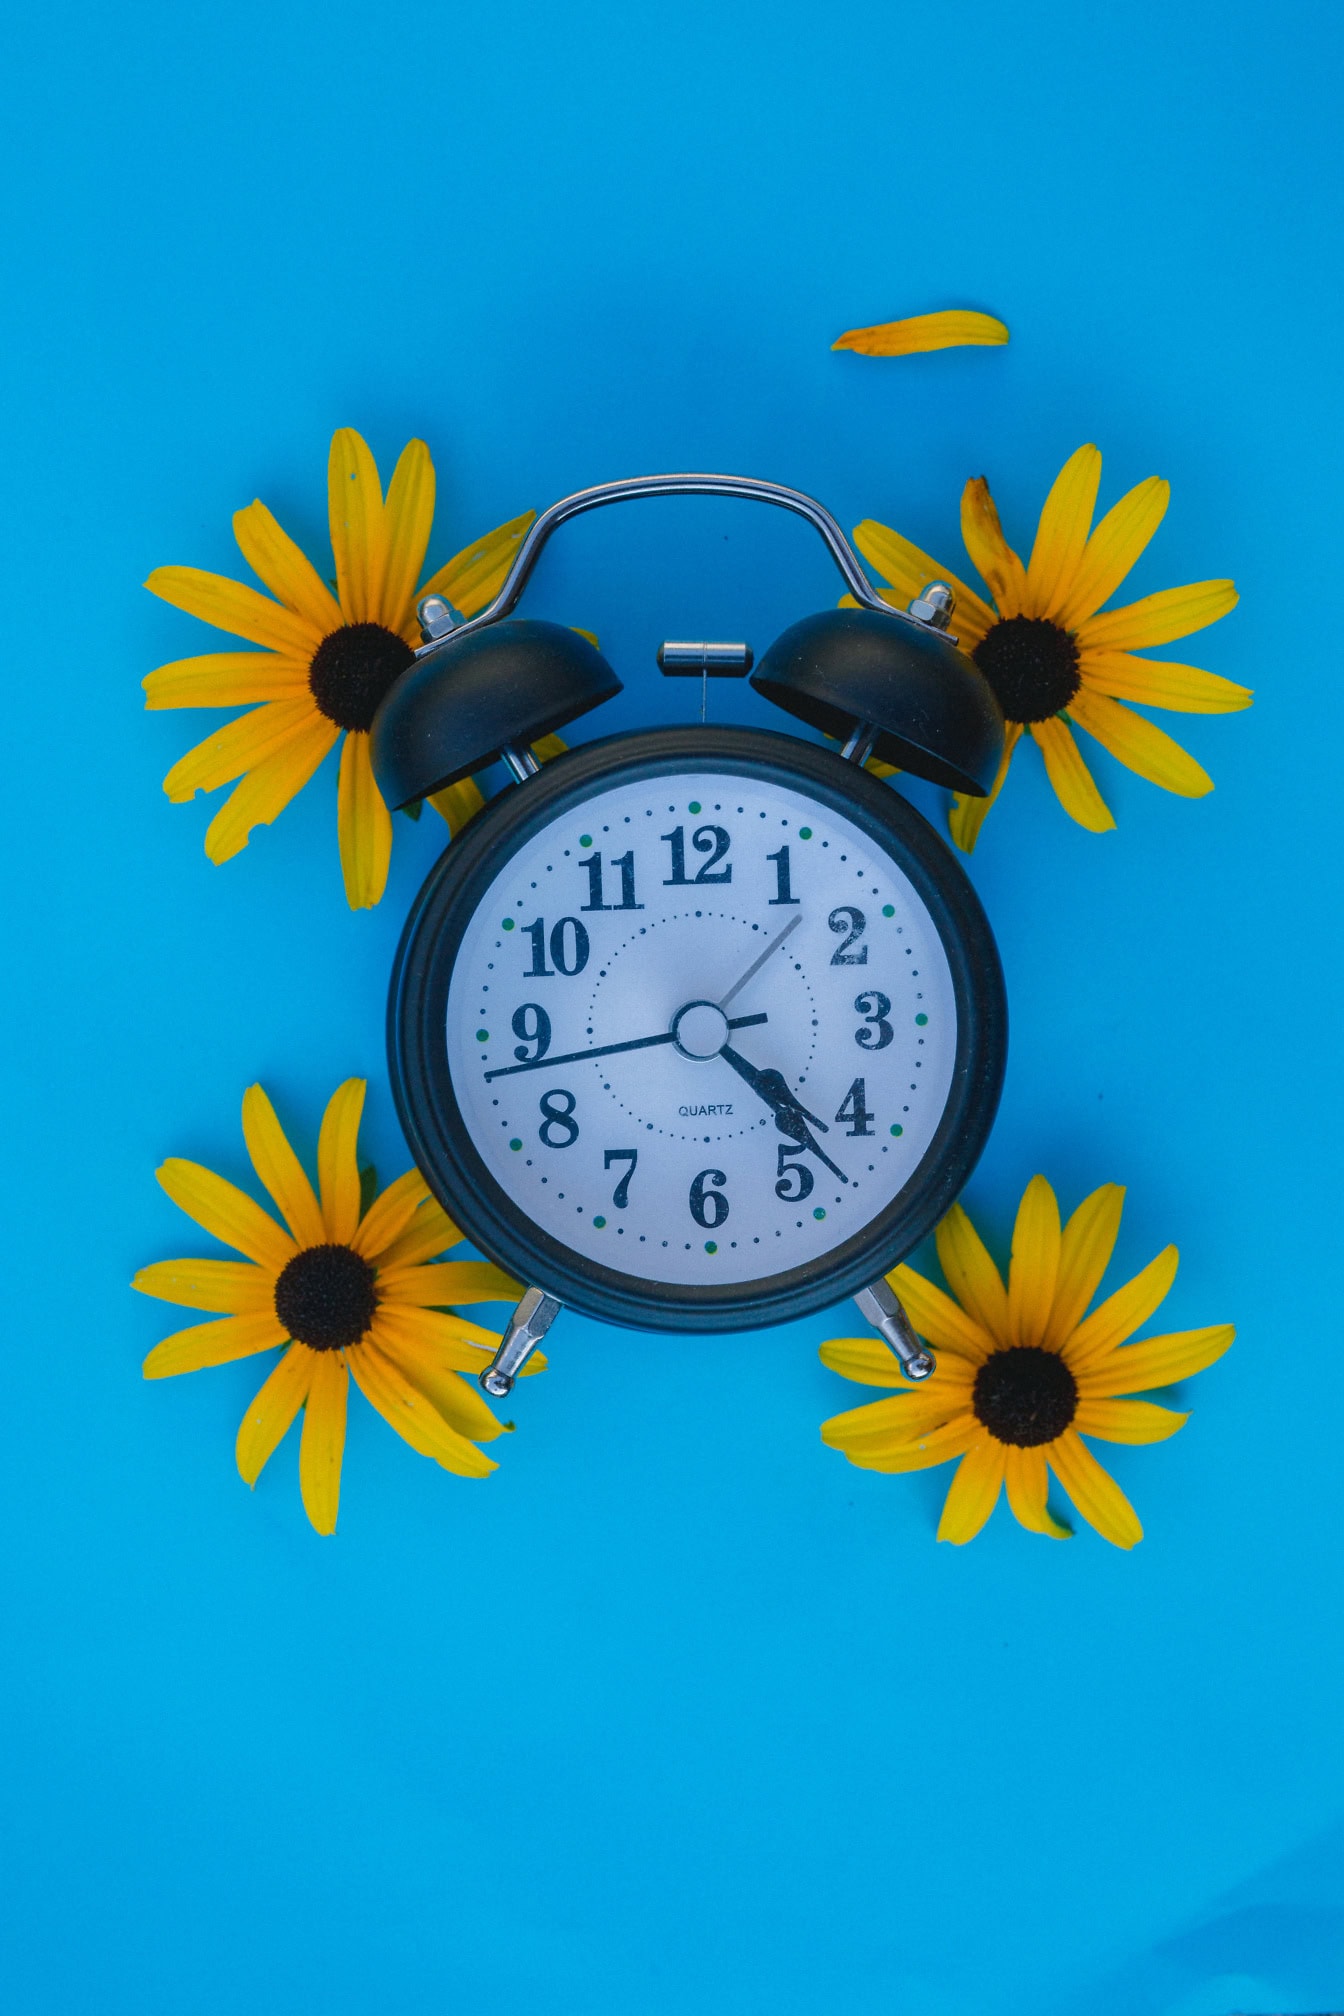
(697, 1028)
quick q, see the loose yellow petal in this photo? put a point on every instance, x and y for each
(998, 565)
(462, 1405)
(1158, 619)
(475, 576)
(271, 1413)
(233, 1287)
(1183, 689)
(1034, 1267)
(337, 1161)
(264, 793)
(226, 1212)
(409, 515)
(972, 1275)
(1070, 776)
(457, 804)
(1095, 1493)
(948, 329)
(323, 1443)
(1127, 1420)
(1157, 1361)
(450, 1286)
(227, 679)
(280, 1169)
(214, 1344)
(358, 526)
(238, 746)
(922, 1452)
(364, 826)
(1061, 536)
(939, 1319)
(230, 606)
(415, 1419)
(968, 814)
(389, 1215)
(1139, 744)
(1121, 1314)
(288, 573)
(909, 571)
(1086, 1245)
(431, 1231)
(1112, 551)
(974, 1491)
(1027, 1477)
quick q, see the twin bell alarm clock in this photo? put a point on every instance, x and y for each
(697, 1028)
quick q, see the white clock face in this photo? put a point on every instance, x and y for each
(701, 1030)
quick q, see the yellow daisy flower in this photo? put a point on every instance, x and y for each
(327, 660)
(1053, 657)
(1023, 1373)
(346, 1289)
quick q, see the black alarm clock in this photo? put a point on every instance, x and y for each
(698, 1028)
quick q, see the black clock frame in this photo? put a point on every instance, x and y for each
(417, 1020)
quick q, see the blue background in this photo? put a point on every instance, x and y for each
(677, 1712)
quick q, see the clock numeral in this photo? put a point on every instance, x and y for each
(854, 1108)
(848, 919)
(569, 948)
(620, 1196)
(593, 869)
(783, 886)
(787, 1169)
(709, 1207)
(876, 1032)
(711, 840)
(532, 1026)
(556, 1115)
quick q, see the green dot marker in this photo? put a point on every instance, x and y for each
(482, 1035)
(585, 839)
(599, 1222)
(508, 923)
(515, 1145)
(818, 1213)
(897, 1128)
(694, 807)
(711, 1245)
(804, 832)
(921, 1020)
(888, 909)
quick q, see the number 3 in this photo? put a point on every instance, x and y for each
(876, 1032)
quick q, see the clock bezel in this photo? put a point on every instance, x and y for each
(418, 1055)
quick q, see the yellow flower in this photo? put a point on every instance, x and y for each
(1051, 657)
(348, 1292)
(1023, 1373)
(949, 329)
(327, 659)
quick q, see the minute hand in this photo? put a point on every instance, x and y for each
(608, 1050)
(791, 1118)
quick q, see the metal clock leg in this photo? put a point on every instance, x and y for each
(881, 1306)
(527, 1326)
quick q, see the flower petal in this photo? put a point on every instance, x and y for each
(1112, 1321)
(457, 803)
(1027, 1476)
(462, 1405)
(968, 814)
(974, 1491)
(266, 790)
(1184, 689)
(1061, 536)
(1157, 1361)
(214, 1344)
(455, 1343)
(998, 565)
(1070, 776)
(364, 826)
(389, 1215)
(909, 571)
(475, 576)
(337, 1161)
(1085, 1250)
(234, 1287)
(1127, 1420)
(948, 329)
(323, 1443)
(1158, 619)
(1139, 744)
(230, 606)
(865, 1360)
(238, 746)
(409, 515)
(227, 679)
(387, 1388)
(905, 1417)
(288, 573)
(1094, 1491)
(454, 1284)
(972, 1275)
(280, 1169)
(922, 1452)
(939, 1319)
(271, 1412)
(358, 526)
(431, 1231)
(1034, 1267)
(1113, 550)
(227, 1212)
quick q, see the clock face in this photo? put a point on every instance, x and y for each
(702, 1028)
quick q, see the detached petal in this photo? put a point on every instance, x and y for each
(1121, 1315)
(288, 573)
(363, 825)
(968, 814)
(271, 1414)
(227, 1212)
(227, 679)
(1061, 536)
(323, 1443)
(266, 790)
(1184, 689)
(1034, 1268)
(1094, 1491)
(1113, 549)
(972, 1275)
(241, 611)
(337, 1161)
(358, 526)
(1140, 745)
(1070, 776)
(948, 329)
(974, 1492)
(214, 1344)
(475, 576)
(1158, 619)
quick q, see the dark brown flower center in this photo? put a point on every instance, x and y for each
(1025, 1395)
(1032, 665)
(353, 668)
(325, 1297)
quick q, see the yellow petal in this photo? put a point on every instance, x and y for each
(364, 826)
(227, 679)
(1086, 1246)
(409, 516)
(1183, 689)
(234, 1287)
(1095, 1493)
(226, 1212)
(921, 1452)
(462, 1405)
(389, 1215)
(968, 814)
(1070, 776)
(1061, 536)
(214, 1344)
(288, 573)
(323, 1443)
(909, 570)
(280, 1169)
(998, 565)
(454, 1343)
(1112, 550)
(972, 1275)
(475, 576)
(1034, 1267)
(905, 1417)
(1121, 1314)
(457, 804)
(974, 1491)
(1139, 744)
(1027, 1477)
(358, 526)
(938, 1318)
(949, 329)
(1158, 619)
(418, 1422)
(431, 1231)
(337, 1161)
(271, 1413)
(266, 790)
(240, 610)
(1127, 1420)
(865, 1360)
(238, 746)
(453, 1285)
(1158, 1361)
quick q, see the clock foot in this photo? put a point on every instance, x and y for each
(527, 1326)
(881, 1306)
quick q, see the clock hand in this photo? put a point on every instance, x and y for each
(608, 1050)
(757, 964)
(791, 1118)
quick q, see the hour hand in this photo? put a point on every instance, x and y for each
(791, 1118)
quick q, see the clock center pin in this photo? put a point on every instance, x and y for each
(700, 1030)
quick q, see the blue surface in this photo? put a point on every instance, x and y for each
(677, 1712)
